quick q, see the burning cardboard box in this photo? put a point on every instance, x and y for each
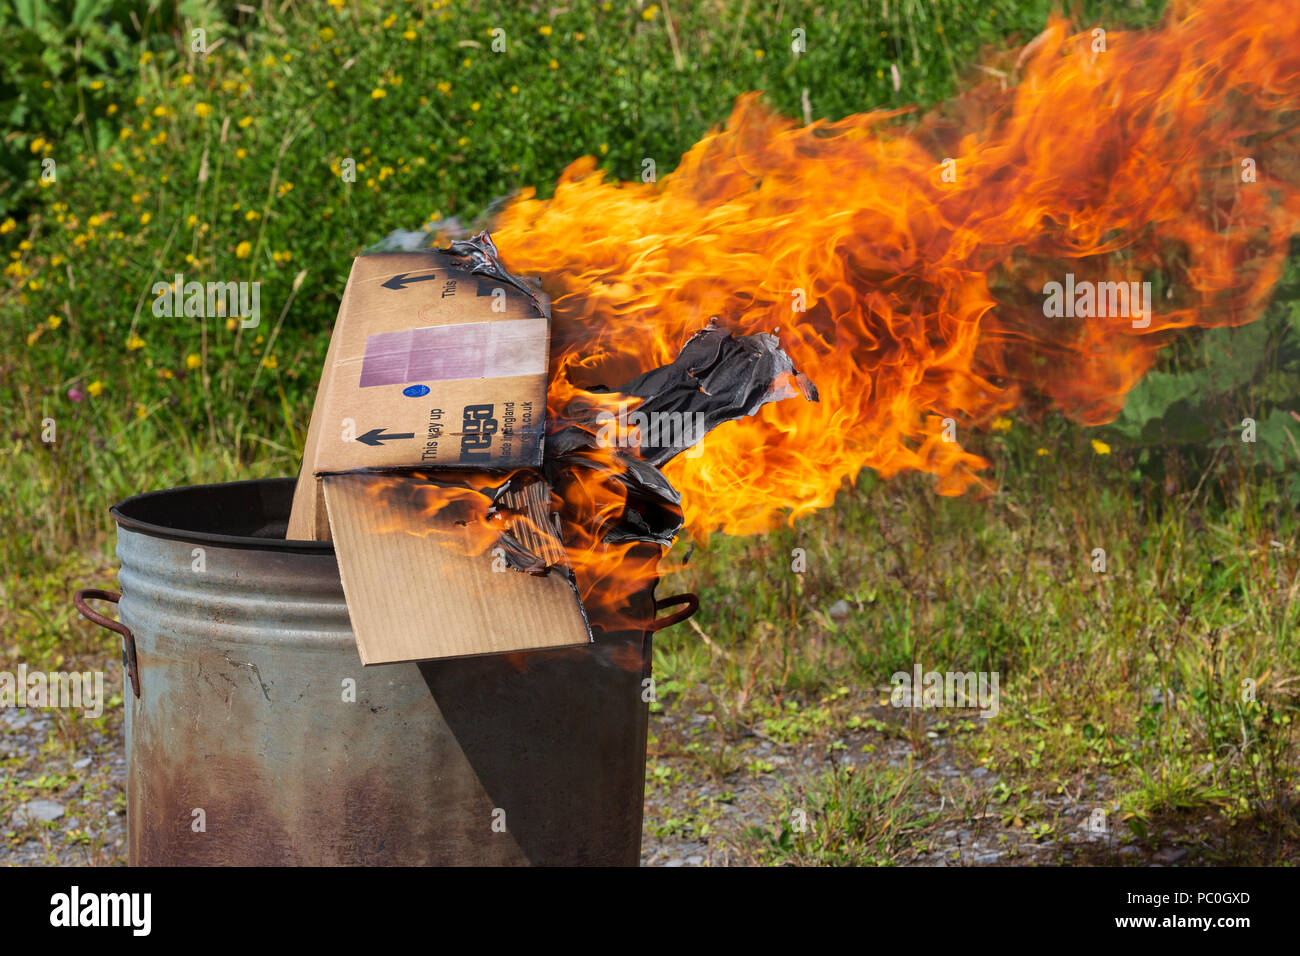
(437, 362)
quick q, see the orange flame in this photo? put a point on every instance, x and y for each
(905, 269)
(920, 256)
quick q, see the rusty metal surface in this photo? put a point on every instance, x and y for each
(243, 716)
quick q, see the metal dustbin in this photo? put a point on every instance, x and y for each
(254, 736)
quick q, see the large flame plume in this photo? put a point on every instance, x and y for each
(903, 263)
(919, 251)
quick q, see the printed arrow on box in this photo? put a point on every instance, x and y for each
(376, 436)
(403, 279)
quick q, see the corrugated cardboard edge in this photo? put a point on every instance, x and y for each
(414, 595)
(307, 518)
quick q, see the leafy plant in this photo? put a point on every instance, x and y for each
(63, 64)
(1226, 397)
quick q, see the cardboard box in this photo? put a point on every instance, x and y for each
(368, 400)
(433, 368)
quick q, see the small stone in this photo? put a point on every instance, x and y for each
(81, 764)
(36, 811)
(696, 860)
(1170, 854)
(839, 610)
(676, 861)
(979, 773)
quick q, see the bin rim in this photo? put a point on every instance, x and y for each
(123, 516)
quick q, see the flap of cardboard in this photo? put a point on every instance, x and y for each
(417, 590)
(431, 366)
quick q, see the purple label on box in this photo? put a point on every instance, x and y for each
(444, 352)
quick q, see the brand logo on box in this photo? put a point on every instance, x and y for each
(478, 427)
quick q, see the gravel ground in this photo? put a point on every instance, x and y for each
(979, 835)
(63, 800)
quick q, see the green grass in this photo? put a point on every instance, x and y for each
(225, 166)
(1195, 601)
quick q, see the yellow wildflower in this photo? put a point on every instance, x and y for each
(95, 388)
(193, 361)
(1100, 447)
(243, 250)
(134, 343)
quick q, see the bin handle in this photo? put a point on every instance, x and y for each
(691, 602)
(129, 662)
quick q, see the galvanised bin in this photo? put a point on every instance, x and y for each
(254, 736)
